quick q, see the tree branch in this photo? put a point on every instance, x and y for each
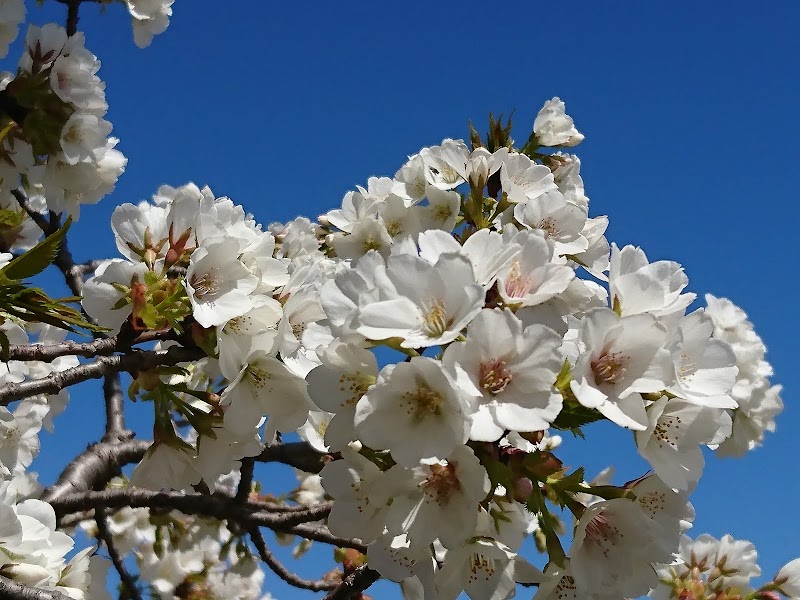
(98, 347)
(216, 505)
(246, 481)
(73, 274)
(137, 361)
(281, 571)
(104, 535)
(12, 590)
(95, 467)
(323, 534)
(355, 583)
(36, 217)
(299, 455)
(115, 409)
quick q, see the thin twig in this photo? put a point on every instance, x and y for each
(73, 274)
(104, 535)
(136, 361)
(281, 571)
(73, 6)
(36, 217)
(355, 583)
(323, 534)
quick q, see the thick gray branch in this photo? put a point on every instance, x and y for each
(98, 347)
(115, 409)
(11, 590)
(219, 506)
(137, 361)
(95, 467)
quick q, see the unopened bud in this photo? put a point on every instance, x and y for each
(544, 465)
(523, 488)
(138, 305)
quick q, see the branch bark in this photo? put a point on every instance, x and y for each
(12, 590)
(115, 409)
(299, 455)
(95, 467)
(355, 583)
(102, 461)
(104, 535)
(98, 347)
(216, 505)
(137, 361)
(281, 571)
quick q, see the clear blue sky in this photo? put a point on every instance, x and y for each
(690, 114)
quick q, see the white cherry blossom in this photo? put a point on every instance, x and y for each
(511, 370)
(415, 411)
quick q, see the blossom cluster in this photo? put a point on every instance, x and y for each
(498, 311)
(183, 556)
(32, 550)
(432, 338)
(55, 144)
(706, 568)
(149, 18)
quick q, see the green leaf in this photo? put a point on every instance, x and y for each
(616, 306)
(564, 377)
(570, 483)
(38, 258)
(498, 472)
(574, 416)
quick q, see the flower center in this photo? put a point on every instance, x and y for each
(258, 375)
(481, 564)
(549, 226)
(601, 532)
(518, 285)
(371, 244)
(206, 284)
(442, 212)
(447, 173)
(423, 402)
(298, 329)
(394, 228)
(73, 135)
(494, 376)
(609, 368)
(435, 320)
(667, 431)
(355, 385)
(442, 483)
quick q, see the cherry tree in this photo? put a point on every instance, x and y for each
(415, 355)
